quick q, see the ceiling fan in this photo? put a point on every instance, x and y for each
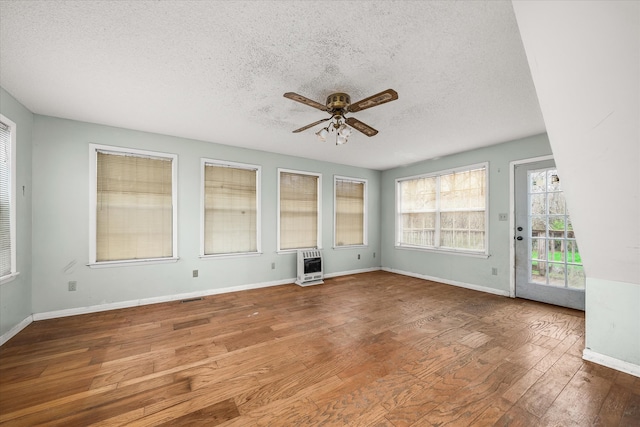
(338, 105)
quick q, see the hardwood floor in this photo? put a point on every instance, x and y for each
(373, 349)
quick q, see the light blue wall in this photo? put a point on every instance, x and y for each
(462, 269)
(613, 320)
(15, 296)
(61, 220)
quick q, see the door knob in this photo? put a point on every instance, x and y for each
(519, 228)
(519, 237)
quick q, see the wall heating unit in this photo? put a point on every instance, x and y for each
(310, 267)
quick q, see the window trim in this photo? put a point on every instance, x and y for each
(223, 163)
(365, 213)
(439, 249)
(319, 204)
(93, 180)
(13, 271)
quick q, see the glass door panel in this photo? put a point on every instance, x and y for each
(548, 263)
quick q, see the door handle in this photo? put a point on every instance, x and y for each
(519, 237)
(519, 228)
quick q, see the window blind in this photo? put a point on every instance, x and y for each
(349, 212)
(462, 204)
(446, 210)
(134, 207)
(5, 200)
(230, 204)
(298, 210)
(418, 211)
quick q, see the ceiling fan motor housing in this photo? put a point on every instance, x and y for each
(338, 101)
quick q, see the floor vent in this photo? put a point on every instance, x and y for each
(191, 300)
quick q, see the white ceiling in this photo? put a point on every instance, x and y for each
(216, 71)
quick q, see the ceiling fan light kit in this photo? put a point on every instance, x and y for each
(338, 127)
(338, 105)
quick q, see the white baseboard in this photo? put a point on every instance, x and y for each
(450, 282)
(155, 300)
(168, 298)
(346, 273)
(15, 330)
(610, 362)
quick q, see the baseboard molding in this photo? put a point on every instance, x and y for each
(346, 273)
(449, 282)
(168, 298)
(156, 300)
(15, 330)
(611, 362)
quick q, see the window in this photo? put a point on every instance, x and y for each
(133, 199)
(298, 210)
(231, 208)
(349, 212)
(7, 200)
(445, 210)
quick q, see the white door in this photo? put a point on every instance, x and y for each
(548, 264)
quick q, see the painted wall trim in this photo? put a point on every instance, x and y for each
(15, 330)
(450, 282)
(346, 273)
(611, 362)
(168, 298)
(155, 300)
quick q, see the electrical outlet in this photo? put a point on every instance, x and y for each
(73, 285)
(195, 273)
(273, 265)
(494, 271)
(358, 256)
(503, 217)
(374, 254)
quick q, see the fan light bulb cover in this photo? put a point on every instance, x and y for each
(344, 130)
(322, 134)
(341, 139)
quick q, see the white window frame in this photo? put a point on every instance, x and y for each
(319, 204)
(467, 252)
(93, 181)
(13, 273)
(365, 215)
(222, 163)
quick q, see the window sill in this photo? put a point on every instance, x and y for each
(226, 256)
(9, 278)
(293, 251)
(108, 264)
(444, 251)
(350, 247)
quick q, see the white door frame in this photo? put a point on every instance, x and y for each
(512, 213)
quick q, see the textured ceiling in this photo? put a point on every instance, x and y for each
(216, 71)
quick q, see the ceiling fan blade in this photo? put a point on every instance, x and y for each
(362, 127)
(311, 103)
(377, 99)
(311, 125)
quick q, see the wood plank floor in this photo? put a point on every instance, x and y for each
(373, 349)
